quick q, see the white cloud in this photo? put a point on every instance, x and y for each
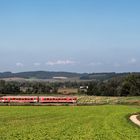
(19, 64)
(36, 64)
(132, 61)
(60, 62)
(95, 64)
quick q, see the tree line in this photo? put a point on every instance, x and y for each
(118, 86)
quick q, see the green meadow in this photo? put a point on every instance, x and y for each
(106, 122)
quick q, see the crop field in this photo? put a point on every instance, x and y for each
(66, 91)
(98, 100)
(106, 122)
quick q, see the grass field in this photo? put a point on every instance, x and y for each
(107, 122)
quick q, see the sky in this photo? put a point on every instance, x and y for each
(70, 35)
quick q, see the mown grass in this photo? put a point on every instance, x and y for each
(107, 122)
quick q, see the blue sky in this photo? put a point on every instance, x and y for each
(70, 35)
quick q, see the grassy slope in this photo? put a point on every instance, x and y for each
(64, 123)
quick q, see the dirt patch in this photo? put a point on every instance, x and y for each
(134, 119)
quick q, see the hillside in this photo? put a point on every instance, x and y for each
(38, 75)
(50, 75)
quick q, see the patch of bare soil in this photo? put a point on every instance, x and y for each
(134, 119)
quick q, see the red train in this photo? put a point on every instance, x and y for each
(37, 99)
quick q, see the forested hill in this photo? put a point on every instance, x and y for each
(39, 74)
(50, 75)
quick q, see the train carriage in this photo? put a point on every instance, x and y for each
(19, 99)
(37, 99)
(57, 99)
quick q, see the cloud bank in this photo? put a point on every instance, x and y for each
(60, 62)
